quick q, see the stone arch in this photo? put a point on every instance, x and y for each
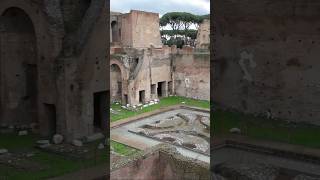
(124, 72)
(19, 68)
(116, 83)
(115, 34)
(120, 75)
(49, 37)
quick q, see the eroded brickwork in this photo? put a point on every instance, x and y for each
(52, 65)
(150, 70)
(266, 55)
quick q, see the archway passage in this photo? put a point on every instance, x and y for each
(101, 114)
(18, 68)
(161, 90)
(116, 83)
(115, 31)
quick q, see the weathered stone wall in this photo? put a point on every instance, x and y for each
(182, 72)
(192, 73)
(115, 27)
(154, 70)
(145, 31)
(67, 55)
(266, 55)
(140, 29)
(160, 163)
(82, 78)
(203, 36)
(47, 33)
(161, 70)
(73, 13)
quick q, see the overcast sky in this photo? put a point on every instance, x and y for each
(199, 7)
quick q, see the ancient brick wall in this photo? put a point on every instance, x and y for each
(140, 29)
(266, 57)
(203, 35)
(159, 163)
(192, 73)
(64, 56)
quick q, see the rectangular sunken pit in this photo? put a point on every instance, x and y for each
(184, 127)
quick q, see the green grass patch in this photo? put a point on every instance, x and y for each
(267, 129)
(164, 102)
(55, 165)
(123, 149)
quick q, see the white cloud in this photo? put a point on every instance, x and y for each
(162, 6)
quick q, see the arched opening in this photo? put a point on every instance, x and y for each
(19, 71)
(115, 32)
(116, 83)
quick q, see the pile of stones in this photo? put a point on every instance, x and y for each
(21, 130)
(141, 106)
(58, 139)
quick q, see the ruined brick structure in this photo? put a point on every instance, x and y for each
(203, 35)
(52, 65)
(266, 58)
(142, 69)
(160, 162)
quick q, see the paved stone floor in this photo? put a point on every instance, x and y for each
(121, 134)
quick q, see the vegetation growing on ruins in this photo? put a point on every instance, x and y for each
(122, 149)
(53, 165)
(164, 102)
(266, 129)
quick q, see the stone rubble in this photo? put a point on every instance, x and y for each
(23, 133)
(77, 143)
(3, 151)
(57, 139)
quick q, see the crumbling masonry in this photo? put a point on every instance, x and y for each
(266, 58)
(53, 65)
(142, 69)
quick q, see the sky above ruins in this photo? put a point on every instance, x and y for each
(199, 7)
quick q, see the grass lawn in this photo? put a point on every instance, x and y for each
(56, 165)
(164, 102)
(123, 149)
(262, 128)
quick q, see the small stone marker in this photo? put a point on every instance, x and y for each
(43, 146)
(77, 143)
(235, 130)
(94, 137)
(57, 139)
(101, 146)
(23, 133)
(41, 142)
(29, 154)
(3, 151)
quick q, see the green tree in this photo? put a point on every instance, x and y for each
(180, 23)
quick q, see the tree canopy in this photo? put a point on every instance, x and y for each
(179, 20)
(180, 23)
